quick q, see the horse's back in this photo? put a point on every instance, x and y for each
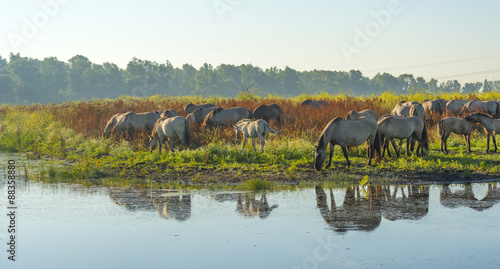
(171, 126)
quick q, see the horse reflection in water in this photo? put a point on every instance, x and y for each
(170, 205)
(358, 212)
(248, 206)
(466, 197)
(363, 208)
(413, 205)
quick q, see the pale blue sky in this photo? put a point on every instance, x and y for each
(441, 39)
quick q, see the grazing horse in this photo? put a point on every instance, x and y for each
(253, 128)
(458, 126)
(199, 114)
(353, 114)
(403, 108)
(169, 113)
(348, 133)
(382, 139)
(491, 126)
(272, 111)
(434, 106)
(455, 106)
(489, 107)
(316, 104)
(111, 124)
(417, 110)
(190, 108)
(403, 129)
(226, 116)
(131, 122)
(169, 128)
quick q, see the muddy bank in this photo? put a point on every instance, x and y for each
(203, 175)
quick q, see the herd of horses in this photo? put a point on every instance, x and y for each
(165, 125)
(407, 121)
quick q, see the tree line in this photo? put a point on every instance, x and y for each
(26, 80)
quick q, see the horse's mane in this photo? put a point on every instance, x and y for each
(481, 114)
(243, 120)
(154, 133)
(321, 140)
(217, 110)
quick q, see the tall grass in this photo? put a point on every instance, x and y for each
(72, 130)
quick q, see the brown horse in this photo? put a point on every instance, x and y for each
(316, 104)
(272, 111)
(168, 128)
(348, 133)
(353, 114)
(253, 128)
(404, 128)
(491, 126)
(226, 116)
(198, 116)
(131, 122)
(190, 108)
(457, 126)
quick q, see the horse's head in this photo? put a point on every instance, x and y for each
(319, 157)
(153, 142)
(472, 118)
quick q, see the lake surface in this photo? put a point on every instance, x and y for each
(70, 226)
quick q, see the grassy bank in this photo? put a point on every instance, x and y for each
(68, 137)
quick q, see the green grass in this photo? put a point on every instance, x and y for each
(109, 162)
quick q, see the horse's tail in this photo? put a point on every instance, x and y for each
(424, 133)
(440, 128)
(186, 133)
(377, 146)
(269, 129)
(497, 113)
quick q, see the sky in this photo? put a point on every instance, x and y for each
(433, 39)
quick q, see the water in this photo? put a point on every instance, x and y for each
(69, 226)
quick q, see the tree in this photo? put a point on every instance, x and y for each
(487, 86)
(79, 69)
(472, 87)
(451, 86)
(26, 78)
(54, 76)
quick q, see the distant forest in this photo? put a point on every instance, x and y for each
(26, 80)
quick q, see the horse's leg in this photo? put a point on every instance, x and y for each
(253, 143)
(487, 142)
(244, 141)
(171, 144)
(262, 142)
(370, 152)
(494, 141)
(160, 142)
(394, 145)
(331, 154)
(468, 142)
(444, 140)
(419, 149)
(344, 149)
(384, 147)
(408, 141)
(382, 140)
